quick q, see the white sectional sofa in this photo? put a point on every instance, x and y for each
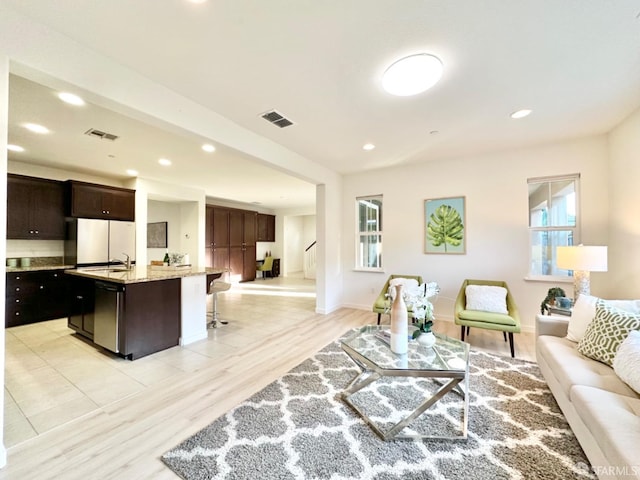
(602, 410)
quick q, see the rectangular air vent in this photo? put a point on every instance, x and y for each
(277, 119)
(92, 132)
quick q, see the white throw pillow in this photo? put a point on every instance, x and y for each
(408, 284)
(487, 298)
(584, 311)
(626, 363)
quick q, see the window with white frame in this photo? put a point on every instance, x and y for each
(369, 233)
(554, 221)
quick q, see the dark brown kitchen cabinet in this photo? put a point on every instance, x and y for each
(81, 300)
(35, 296)
(266, 228)
(242, 244)
(231, 241)
(35, 208)
(89, 200)
(150, 317)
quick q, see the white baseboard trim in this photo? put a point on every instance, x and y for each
(3, 456)
(193, 338)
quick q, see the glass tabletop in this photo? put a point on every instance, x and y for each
(447, 355)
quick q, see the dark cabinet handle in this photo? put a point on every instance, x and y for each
(17, 300)
(41, 287)
(17, 289)
(17, 314)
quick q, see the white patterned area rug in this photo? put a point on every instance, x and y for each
(298, 428)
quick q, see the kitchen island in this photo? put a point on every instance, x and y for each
(143, 310)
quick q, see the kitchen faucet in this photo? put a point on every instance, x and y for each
(126, 263)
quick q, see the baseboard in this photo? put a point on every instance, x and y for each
(193, 338)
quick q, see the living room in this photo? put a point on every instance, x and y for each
(493, 183)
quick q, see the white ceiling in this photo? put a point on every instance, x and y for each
(575, 63)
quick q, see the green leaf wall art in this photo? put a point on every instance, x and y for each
(445, 225)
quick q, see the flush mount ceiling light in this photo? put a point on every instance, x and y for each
(412, 75)
(15, 148)
(521, 113)
(35, 128)
(165, 162)
(71, 98)
(368, 146)
(133, 173)
(208, 148)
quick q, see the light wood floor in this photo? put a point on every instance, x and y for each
(272, 328)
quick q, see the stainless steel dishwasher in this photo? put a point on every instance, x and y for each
(108, 309)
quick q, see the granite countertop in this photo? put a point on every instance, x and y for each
(37, 268)
(139, 274)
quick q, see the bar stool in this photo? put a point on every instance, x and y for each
(216, 287)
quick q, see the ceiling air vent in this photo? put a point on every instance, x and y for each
(277, 119)
(92, 132)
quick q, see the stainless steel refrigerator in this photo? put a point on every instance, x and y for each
(98, 242)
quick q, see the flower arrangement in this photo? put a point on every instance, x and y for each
(422, 308)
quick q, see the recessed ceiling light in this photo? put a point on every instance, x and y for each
(70, 98)
(15, 148)
(521, 113)
(133, 173)
(35, 128)
(207, 147)
(368, 146)
(165, 162)
(412, 75)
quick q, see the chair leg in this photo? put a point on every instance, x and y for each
(505, 336)
(462, 333)
(468, 328)
(378, 319)
(511, 344)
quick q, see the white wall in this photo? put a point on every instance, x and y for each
(624, 226)
(4, 114)
(293, 244)
(495, 187)
(169, 212)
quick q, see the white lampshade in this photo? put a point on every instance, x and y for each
(583, 258)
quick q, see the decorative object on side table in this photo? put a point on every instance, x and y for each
(550, 299)
(399, 323)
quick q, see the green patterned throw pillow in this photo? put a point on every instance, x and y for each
(609, 328)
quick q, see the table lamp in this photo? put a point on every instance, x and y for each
(582, 260)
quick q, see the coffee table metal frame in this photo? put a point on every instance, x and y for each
(371, 371)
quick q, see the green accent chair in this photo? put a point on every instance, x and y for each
(265, 266)
(382, 302)
(506, 323)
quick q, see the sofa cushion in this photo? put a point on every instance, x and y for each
(609, 328)
(571, 368)
(584, 311)
(626, 364)
(614, 421)
(486, 298)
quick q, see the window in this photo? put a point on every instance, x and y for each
(553, 222)
(369, 233)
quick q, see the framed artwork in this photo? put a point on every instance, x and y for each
(157, 235)
(445, 225)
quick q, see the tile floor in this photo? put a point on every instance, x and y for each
(53, 376)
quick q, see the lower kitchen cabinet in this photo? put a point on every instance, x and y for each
(81, 305)
(35, 296)
(150, 318)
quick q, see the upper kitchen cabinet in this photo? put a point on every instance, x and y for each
(88, 200)
(266, 228)
(35, 208)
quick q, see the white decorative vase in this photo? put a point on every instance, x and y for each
(399, 323)
(427, 339)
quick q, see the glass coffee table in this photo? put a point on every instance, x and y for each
(446, 364)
